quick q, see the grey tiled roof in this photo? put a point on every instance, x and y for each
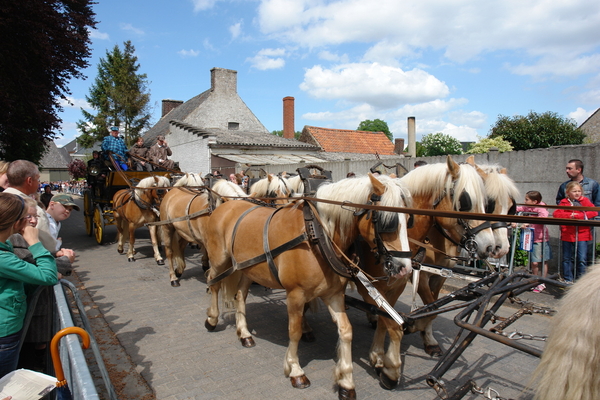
(179, 113)
(354, 156)
(231, 138)
(55, 158)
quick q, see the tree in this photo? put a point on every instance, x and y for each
(440, 144)
(44, 45)
(484, 145)
(77, 169)
(119, 97)
(280, 133)
(376, 125)
(537, 130)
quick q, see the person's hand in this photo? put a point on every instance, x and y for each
(59, 275)
(30, 234)
(66, 252)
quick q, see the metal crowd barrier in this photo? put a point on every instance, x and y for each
(75, 366)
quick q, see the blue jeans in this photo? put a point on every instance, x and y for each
(580, 261)
(9, 353)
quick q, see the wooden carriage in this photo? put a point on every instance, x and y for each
(97, 200)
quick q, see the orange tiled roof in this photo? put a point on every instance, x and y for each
(348, 141)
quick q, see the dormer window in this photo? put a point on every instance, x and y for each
(234, 126)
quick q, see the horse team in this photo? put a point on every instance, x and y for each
(311, 246)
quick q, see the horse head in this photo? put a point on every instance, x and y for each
(501, 193)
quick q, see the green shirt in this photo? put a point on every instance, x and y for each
(14, 274)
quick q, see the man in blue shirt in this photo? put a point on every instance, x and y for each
(114, 144)
(591, 189)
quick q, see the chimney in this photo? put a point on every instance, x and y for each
(399, 146)
(168, 105)
(288, 117)
(223, 81)
(412, 143)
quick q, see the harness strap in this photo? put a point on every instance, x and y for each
(189, 221)
(183, 218)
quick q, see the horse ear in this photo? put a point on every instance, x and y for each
(453, 167)
(270, 177)
(504, 171)
(471, 160)
(378, 187)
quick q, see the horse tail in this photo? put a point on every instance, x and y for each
(568, 369)
(229, 288)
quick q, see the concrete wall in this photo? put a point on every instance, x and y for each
(189, 150)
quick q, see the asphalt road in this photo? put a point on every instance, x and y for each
(154, 341)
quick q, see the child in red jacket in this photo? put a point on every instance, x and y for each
(574, 237)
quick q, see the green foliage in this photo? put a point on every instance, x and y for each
(521, 256)
(376, 125)
(280, 133)
(537, 130)
(119, 96)
(439, 144)
(44, 45)
(484, 145)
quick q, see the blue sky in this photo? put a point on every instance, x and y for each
(455, 65)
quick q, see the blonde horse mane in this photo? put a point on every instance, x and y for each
(227, 188)
(569, 368)
(296, 185)
(149, 182)
(357, 190)
(499, 186)
(190, 179)
(433, 179)
(272, 184)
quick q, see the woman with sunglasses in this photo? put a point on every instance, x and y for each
(16, 275)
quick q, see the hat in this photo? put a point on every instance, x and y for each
(160, 137)
(65, 200)
(114, 128)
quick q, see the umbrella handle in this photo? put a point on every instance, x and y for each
(58, 369)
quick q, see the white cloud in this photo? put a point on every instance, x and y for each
(235, 30)
(96, 34)
(132, 29)
(189, 53)
(381, 86)
(329, 56)
(461, 30)
(201, 5)
(75, 103)
(580, 115)
(207, 45)
(267, 59)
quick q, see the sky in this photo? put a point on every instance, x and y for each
(455, 65)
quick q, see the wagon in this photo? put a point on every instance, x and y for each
(105, 181)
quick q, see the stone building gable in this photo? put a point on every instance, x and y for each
(591, 127)
(347, 141)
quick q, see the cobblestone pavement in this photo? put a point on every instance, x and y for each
(161, 330)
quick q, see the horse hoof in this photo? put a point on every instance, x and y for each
(346, 394)
(434, 350)
(300, 382)
(208, 326)
(308, 337)
(247, 342)
(385, 381)
(131, 259)
(175, 284)
(120, 251)
(160, 262)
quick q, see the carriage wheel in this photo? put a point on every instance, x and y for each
(99, 224)
(88, 212)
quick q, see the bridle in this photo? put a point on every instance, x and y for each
(465, 203)
(380, 226)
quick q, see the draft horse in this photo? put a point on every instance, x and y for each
(443, 187)
(500, 193)
(273, 247)
(134, 207)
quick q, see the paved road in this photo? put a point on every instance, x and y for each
(160, 331)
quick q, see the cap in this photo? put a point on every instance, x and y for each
(160, 137)
(114, 128)
(65, 200)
